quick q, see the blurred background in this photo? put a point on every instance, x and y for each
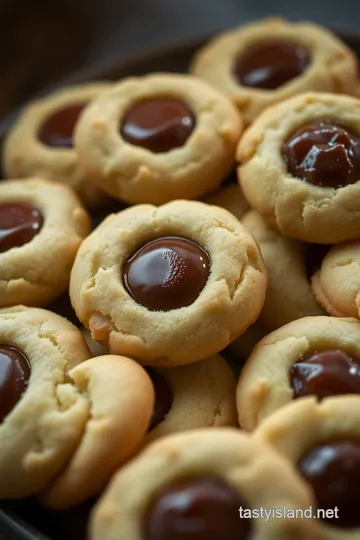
(43, 41)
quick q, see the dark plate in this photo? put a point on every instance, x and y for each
(25, 520)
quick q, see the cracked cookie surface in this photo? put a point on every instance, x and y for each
(138, 164)
(331, 65)
(120, 398)
(30, 150)
(305, 207)
(42, 225)
(40, 433)
(225, 304)
(225, 465)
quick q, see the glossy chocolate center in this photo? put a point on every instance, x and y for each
(158, 124)
(198, 509)
(333, 471)
(324, 155)
(314, 256)
(271, 64)
(57, 130)
(325, 373)
(167, 273)
(19, 223)
(14, 377)
(163, 398)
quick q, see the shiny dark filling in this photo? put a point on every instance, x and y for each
(323, 154)
(333, 471)
(158, 124)
(19, 223)
(269, 65)
(167, 273)
(57, 130)
(14, 378)
(325, 373)
(198, 509)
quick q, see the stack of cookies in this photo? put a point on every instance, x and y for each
(156, 231)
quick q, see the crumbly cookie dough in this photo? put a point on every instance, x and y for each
(289, 295)
(230, 300)
(337, 284)
(39, 270)
(332, 65)
(41, 432)
(252, 471)
(203, 396)
(231, 198)
(264, 385)
(297, 428)
(137, 174)
(299, 208)
(25, 155)
(121, 400)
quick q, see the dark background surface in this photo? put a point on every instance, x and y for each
(43, 41)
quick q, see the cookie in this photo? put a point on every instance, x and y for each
(300, 167)
(121, 400)
(168, 285)
(317, 356)
(263, 63)
(42, 225)
(289, 295)
(194, 485)
(157, 138)
(240, 349)
(229, 197)
(337, 284)
(40, 143)
(323, 441)
(193, 396)
(42, 411)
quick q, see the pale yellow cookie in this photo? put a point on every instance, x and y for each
(168, 301)
(181, 149)
(265, 384)
(209, 469)
(326, 213)
(326, 63)
(121, 399)
(194, 396)
(337, 284)
(31, 150)
(289, 295)
(311, 436)
(43, 224)
(44, 423)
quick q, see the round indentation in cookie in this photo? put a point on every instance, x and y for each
(57, 130)
(158, 124)
(166, 273)
(19, 223)
(163, 398)
(199, 508)
(314, 256)
(325, 373)
(323, 154)
(269, 65)
(333, 471)
(14, 377)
